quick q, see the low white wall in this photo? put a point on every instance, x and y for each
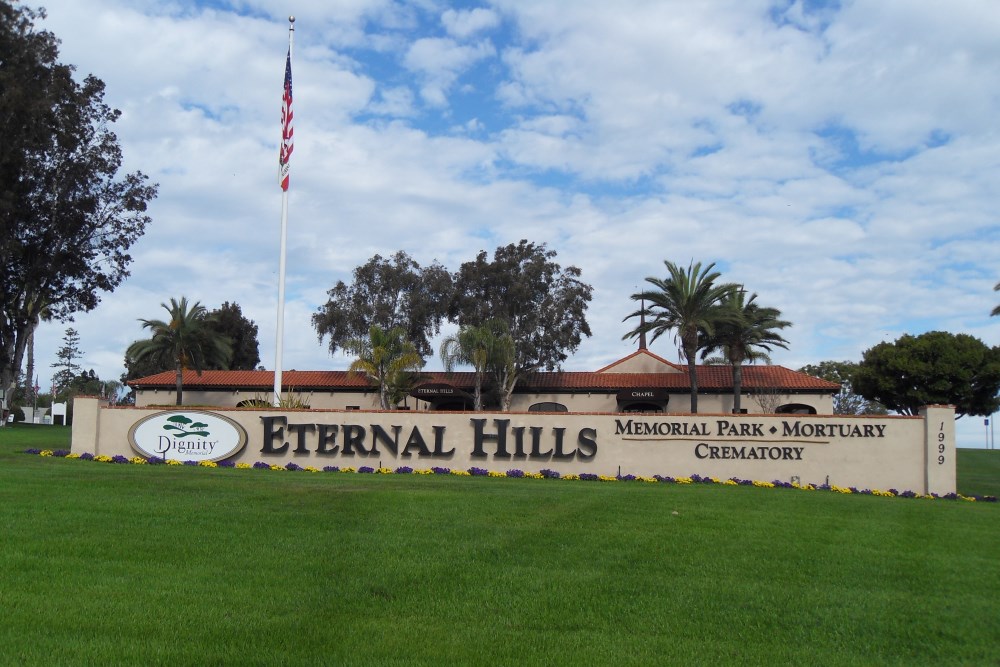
(904, 453)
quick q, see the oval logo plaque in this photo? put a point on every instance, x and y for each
(187, 435)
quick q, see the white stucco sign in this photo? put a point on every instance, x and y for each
(188, 435)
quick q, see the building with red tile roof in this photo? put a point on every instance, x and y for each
(639, 382)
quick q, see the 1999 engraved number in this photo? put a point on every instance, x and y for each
(940, 437)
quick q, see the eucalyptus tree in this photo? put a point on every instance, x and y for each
(746, 334)
(68, 217)
(387, 292)
(542, 304)
(388, 359)
(688, 302)
(184, 341)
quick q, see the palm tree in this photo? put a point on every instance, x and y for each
(746, 335)
(184, 341)
(477, 346)
(387, 359)
(687, 301)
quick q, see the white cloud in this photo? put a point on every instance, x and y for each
(439, 62)
(465, 23)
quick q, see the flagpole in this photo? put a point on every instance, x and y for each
(279, 337)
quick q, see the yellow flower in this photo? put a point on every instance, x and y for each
(138, 460)
(730, 482)
(423, 471)
(461, 473)
(103, 458)
(208, 464)
(72, 456)
(243, 466)
(348, 469)
(534, 475)
(173, 462)
(384, 471)
(687, 480)
(277, 467)
(311, 469)
(570, 476)
(494, 473)
(766, 485)
(607, 478)
(651, 480)
(45, 452)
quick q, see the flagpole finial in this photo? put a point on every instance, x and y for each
(291, 19)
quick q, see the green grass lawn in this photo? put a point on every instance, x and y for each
(163, 565)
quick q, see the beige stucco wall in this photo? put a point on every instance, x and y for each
(905, 453)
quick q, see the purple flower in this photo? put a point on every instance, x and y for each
(549, 474)
(479, 472)
(626, 478)
(260, 465)
(588, 477)
(366, 469)
(86, 456)
(441, 471)
(292, 466)
(515, 473)
(32, 450)
(404, 470)
(658, 478)
(61, 453)
(331, 468)
(152, 460)
(189, 462)
(227, 464)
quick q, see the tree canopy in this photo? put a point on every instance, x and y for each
(388, 360)
(389, 293)
(483, 347)
(185, 340)
(67, 218)
(846, 401)
(745, 332)
(543, 305)
(936, 367)
(229, 322)
(689, 302)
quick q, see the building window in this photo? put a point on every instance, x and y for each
(546, 406)
(641, 407)
(795, 409)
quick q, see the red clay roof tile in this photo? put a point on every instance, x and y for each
(710, 379)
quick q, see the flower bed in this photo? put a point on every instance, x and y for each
(513, 473)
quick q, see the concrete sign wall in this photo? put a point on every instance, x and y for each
(904, 453)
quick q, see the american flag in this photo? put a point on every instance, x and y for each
(287, 130)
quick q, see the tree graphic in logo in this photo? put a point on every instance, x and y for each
(182, 426)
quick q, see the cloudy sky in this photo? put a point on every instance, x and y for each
(841, 159)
